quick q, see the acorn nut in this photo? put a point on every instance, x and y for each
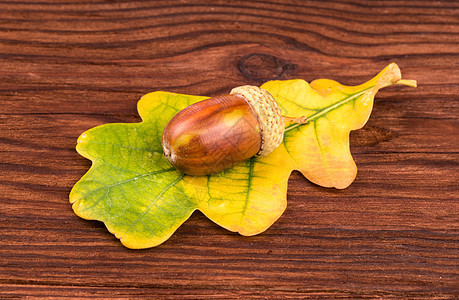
(217, 133)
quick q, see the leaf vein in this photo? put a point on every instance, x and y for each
(249, 186)
(163, 191)
(124, 182)
(322, 112)
(124, 146)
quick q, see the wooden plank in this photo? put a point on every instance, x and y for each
(68, 66)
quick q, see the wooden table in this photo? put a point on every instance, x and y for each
(67, 66)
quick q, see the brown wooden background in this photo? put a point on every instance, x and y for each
(67, 66)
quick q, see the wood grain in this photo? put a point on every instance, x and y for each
(67, 66)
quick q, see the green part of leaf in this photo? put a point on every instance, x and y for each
(131, 186)
(142, 199)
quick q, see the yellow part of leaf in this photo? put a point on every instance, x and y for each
(247, 198)
(320, 148)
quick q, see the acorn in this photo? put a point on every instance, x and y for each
(217, 133)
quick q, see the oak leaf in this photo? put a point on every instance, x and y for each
(142, 199)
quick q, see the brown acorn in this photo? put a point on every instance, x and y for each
(217, 133)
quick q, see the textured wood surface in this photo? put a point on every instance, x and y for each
(67, 66)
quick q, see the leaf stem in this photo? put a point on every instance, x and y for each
(408, 82)
(300, 120)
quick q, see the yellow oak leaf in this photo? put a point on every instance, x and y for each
(142, 199)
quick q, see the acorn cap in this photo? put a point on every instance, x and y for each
(268, 113)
